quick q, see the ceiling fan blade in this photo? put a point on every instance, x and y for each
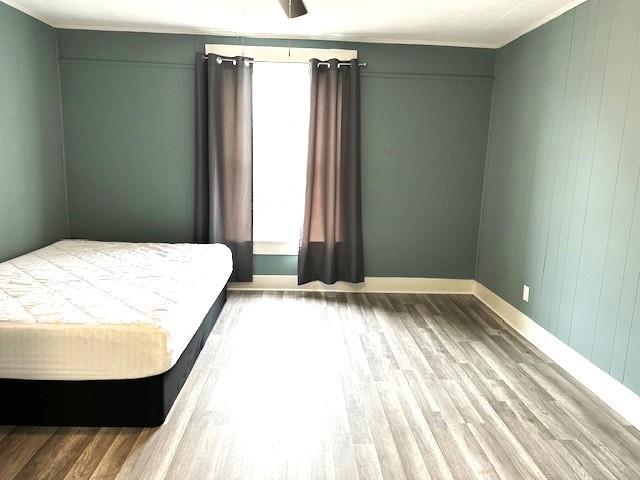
(293, 8)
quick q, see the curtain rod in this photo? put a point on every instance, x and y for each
(247, 62)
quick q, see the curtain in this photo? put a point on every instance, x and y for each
(224, 159)
(331, 242)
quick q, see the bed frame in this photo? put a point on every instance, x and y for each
(142, 402)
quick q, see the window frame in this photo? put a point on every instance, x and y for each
(275, 248)
(261, 53)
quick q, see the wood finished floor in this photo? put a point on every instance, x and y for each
(301, 386)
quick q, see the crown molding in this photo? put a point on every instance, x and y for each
(542, 21)
(368, 38)
(28, 11)
(275, 36)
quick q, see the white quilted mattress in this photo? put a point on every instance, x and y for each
(81, 310)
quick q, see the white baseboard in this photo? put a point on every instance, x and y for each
(625, 402)
(370, 285)
(622, 400)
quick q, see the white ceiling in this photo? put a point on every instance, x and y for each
(479, 23)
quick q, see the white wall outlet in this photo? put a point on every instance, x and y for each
(525, 293)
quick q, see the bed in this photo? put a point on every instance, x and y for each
(104, 333)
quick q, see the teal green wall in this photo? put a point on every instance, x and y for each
(33, 208)
(560, 205)
(275, 264)
(561, 210)
(129, 103)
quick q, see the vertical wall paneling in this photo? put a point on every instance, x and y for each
(129, 107)
(560, 203)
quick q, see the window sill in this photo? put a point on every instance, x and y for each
(275, 248)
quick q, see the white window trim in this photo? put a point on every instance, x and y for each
(280, 54)
(275, 248)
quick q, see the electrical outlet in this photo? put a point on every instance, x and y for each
(525, 293)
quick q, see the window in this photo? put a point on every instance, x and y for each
(280, 138)
(281, 84)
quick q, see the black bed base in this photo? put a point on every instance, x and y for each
(143, 402)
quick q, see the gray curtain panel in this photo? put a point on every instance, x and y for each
(331, 245)
(224, 159)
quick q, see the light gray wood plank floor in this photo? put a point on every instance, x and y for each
(353, 386)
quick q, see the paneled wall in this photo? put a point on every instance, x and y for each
(561, 210)
(560, 206)
(129, 106)
(33, 209)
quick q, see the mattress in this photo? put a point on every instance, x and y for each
(86, 310)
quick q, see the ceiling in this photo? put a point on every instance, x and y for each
(478, 23)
